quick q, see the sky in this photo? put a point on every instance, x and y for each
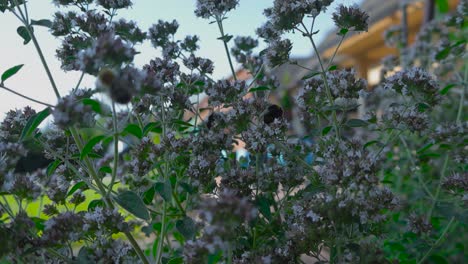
(32, 79)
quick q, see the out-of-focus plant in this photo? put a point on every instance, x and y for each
(158, 181)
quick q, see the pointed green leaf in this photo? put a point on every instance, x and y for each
(95, 203)
(34, 122)
(134, 130)
(164, 189)
(76, 187)
(186, 227)
(447, 88)
(131, 202)
(356, 123)
(90, 145)
(42, 22)
(259, 88)
(10, 72)
(311, 75)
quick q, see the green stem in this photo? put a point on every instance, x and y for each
(161, 235)
(102, 191)
(219, 20)
(324, 77)
(439, 186)
(336, 50)
(77, 139)
(26, 97)
(413, 163)
(116, 149)
(437, 242)
(25, 21)
(462, 98)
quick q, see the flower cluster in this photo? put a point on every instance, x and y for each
(214, 8)
(115, 4)
(287, 14)
(225, 91)
(402, 118)
(278, 52)
(415, 83)
(14, 122)
(351, 18)
(71, 110)
(108, 50)
(223, 218)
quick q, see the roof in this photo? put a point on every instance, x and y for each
(376, 10)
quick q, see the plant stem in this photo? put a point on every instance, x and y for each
(437, 242)
(439, 186)
(324, 77)
(102, 191)
(161, 235)
(219, 20)
(336, 50)
(78, 142)
(25, 21)
(26, 97)
(116, 148)
(413, 163)
(462, 98)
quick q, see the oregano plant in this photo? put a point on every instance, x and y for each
(137, 169)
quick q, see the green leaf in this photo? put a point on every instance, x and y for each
(186, 227)
(438, 259)
(34, 122)
(85, 256)
(356, 123)
(42, 22)
(225, 38)
(373, 142)
(187, 187)
(442, 6)
(76, 187)
(90, 145)
(148, 196)
(95, 203)
(39, 223)
(178, 260)
(10, 72)
(134, 130)
(95, 105)
(443, 53)
(311, 75)
(332, 68)
(52, 167)
(105, 169)
(164, 189)
(424, 148)
(326, 130)
(152, 127)
(447, 88)
(131, 202)
(259, 88)
(263, 205)
(181, 122)
(23, 32)
(343, 31)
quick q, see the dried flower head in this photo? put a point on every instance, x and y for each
(351, 18)
(278, 52)
(214, 8)
(115, 4)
